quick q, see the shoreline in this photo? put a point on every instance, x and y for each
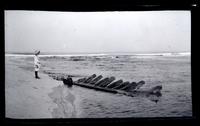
(30, 98)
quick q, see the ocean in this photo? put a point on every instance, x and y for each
(171, 70)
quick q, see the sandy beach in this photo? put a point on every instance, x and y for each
(27, 97)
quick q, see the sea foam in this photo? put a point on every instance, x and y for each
(106, 55)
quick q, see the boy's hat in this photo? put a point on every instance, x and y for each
(37, 52)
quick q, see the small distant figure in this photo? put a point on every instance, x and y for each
(36, 64)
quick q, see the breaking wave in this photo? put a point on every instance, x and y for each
(104, 55)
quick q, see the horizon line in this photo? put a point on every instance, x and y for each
(28, 52)
(95, 53)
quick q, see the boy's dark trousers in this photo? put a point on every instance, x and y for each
(36, 74)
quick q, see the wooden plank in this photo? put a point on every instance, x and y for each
(90, 78)
(126, 88)
(95, 87)
(102, 81)
(122, 85)
(95, 80)
(114, 84)
(111, 79)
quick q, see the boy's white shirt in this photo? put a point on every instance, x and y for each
(36, 62)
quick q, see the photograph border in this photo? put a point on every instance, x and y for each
(89, 6)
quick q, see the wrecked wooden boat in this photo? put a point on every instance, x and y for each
(110, 84)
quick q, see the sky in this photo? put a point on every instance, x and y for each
(97, 32)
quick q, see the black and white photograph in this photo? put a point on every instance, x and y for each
(106, 64)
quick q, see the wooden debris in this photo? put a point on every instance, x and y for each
(101, 81)
(111, 79)
(95, 80)
(122, 85)
(114, 84)
(125, 88)
(81, 80)
(89, 79)
(118, 86)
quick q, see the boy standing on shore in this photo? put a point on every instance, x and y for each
(36, 64)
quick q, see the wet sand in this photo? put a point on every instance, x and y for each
(67, 102)
(27, 97)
